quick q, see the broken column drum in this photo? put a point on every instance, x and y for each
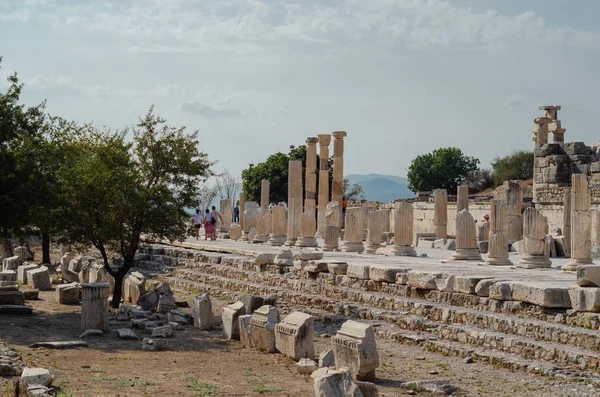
(466, 238)
(534, 240)
(323, 198)
(403, 230)
(308, 229)
(375, 223)
(462, 198)
(353, 233)
(331, 238)
(278, 226)
(440, 214)
(94, 307)
(263, 226)
(498, 241)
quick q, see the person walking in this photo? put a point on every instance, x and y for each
(236, 212)
(209, 226)
(197, 223)
(218, 220)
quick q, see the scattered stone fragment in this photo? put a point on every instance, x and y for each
(61, 344)
(15, 309)
(91, 332)
(166, 303)
(230, 318)
(306, 255)
(244, 327)
(468, 360)
(284, 258)
(585, 299)
(355, 348)
(264, 258)
(8, 275)
(22, 272)
(329, 382)
(163, 332)
(431, 386)
(588, 275)
(294, 336)
(67, 294)
(39, 278)
(125, 333)
(327, 359)
(338, 268)
(175, 326)
(251, 302)
(306, 366)
(134, 287)
(262, 328)
(368, 389)
(11, 263)
(203, 314)
(37, 376)
(154, 344)
(180, 317)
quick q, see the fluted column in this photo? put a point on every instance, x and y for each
(294, 201)
(323, 199)
(466, 238)
(498, 241)
(331, 238)
(462, 198)
(337, 190)
(278, 226)
(375, 223)
(353, 233)
(265, 191)
(310, 195)
(567, 220)
(440, 213)
(513, 197)
(581, 223)
(534, 240)
(403, 230)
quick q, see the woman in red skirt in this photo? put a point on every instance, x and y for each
(209, 226)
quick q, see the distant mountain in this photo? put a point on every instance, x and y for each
(383, 188)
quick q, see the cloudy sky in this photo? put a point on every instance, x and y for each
(402, 77)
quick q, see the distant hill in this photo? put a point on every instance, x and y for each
(384, 188)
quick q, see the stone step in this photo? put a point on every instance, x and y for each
(497, 322)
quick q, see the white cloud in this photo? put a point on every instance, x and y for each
(215, 110)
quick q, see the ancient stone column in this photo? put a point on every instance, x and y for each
(498, 241)
(242, 209)
(263, 226)
(354, 230)
(294, 201)
(440, 213)
(249, 218)
(308, 229)
(581, 223)
(94, 307)
(226, 211)
(331, 238)
(278, 226)
(323, 199)
(512, 195)
(403, 230)
(596, 216)
(332, 214)
(567, 219)
(466, 238)
(310, 196)
(375, 222)
(337, 189)
(265, 189)
(462, 198)
(534, 240)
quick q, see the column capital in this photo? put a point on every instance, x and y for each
(339, 134)
(542, 120)
(324, 139)
(312, 140)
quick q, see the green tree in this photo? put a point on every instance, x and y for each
(443, 168)
(117, 191)
(518, 165)
(353, 192)
(275, 169)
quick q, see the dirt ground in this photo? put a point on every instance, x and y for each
(202, 363)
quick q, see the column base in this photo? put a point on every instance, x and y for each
(306, 242)
(529, 261)
(571, 266)
(290, 242)
(404, 250)
(260, 239)
(349, 246)
(498, 261)
(372, 248)
(244, 236)
(276, 240)
(329, 248)
(466, 254)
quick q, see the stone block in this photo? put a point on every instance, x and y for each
(236, 232)
(11, 263)
(541, 294)
(262, 328)
(334, 383)
(483, 287)
(422, 280)
(37, 376)
(39, 278)
(337, 268)
(574, 148)
(251, 302)
(124, 333)
(483, 246)
(368, 389)
(445, 283)
(585, 299)
(387, 273)
(517, 246)
(294, 336)
(284, 258)
(23, 253)
(439, 243)
(67, 294)
(450, 245)
(31, 294)
(230, 318)
(164, 331)
(501, 290)
(306, 366)
(8, 275)
(22, 272)
(355, 348)
(357, 270)
(467, 284)
(203, 314)
(327, 359)
(316, 267)
(244, 327)
(425, 243)
(264, 258)
(588, 275)
(154, 344)
(166, 303)
(306, 255)
(134, 287)
(560, 244)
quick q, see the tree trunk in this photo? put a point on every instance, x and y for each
(116, 300)
(45, 248)
(6, 248)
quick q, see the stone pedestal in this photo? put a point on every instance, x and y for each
(294, 202)
(534, 240)
(331, 238)
(265, 189)
(337, 189)
(226, 211)
(203, 314)
(278, 226)
(498, 241)
(262, 328)
(294, 336)
(323, 199)
(263, 226)
(403, 230)
(249, 219)
(462, 198)
(308, 229)
(355, 348)
(353, 235)
(440, 213)
(466, 239)
(375, 223)
(94, 307)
